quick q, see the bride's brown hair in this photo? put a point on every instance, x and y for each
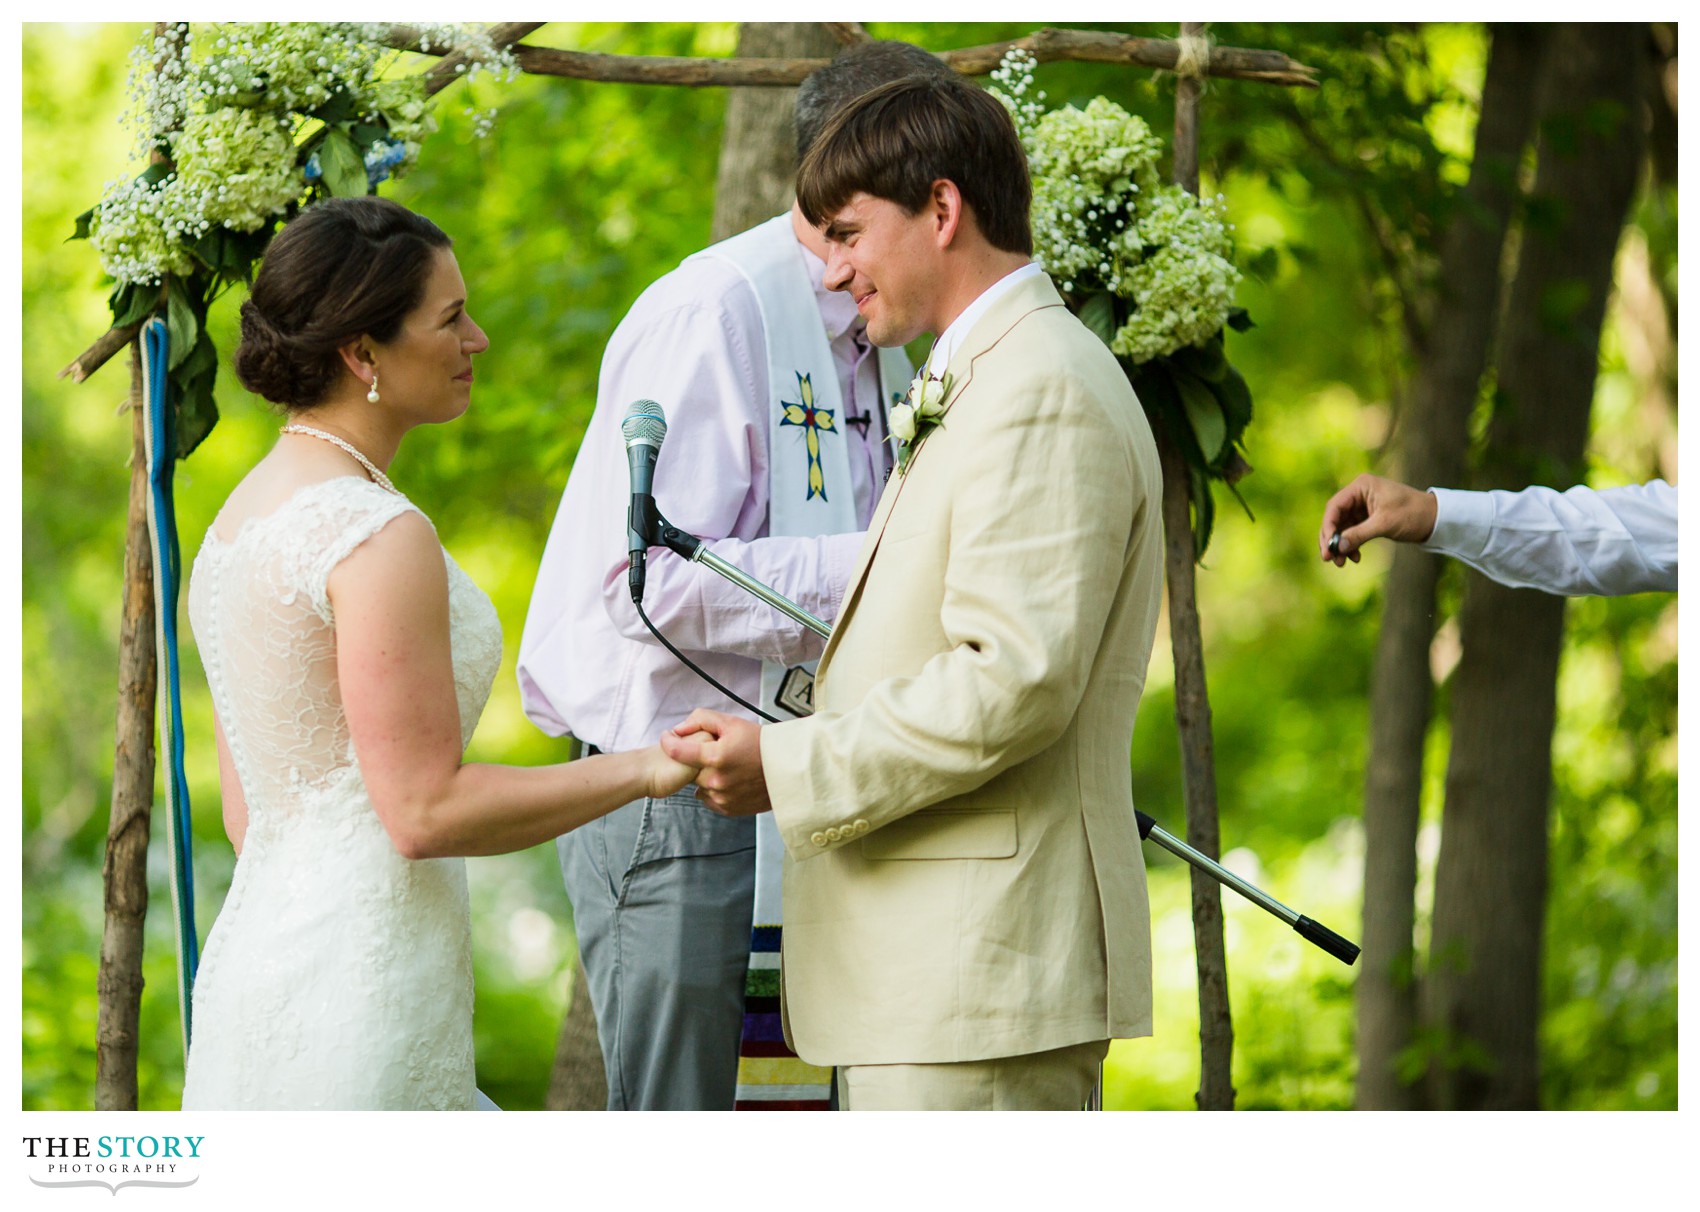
(342, 268)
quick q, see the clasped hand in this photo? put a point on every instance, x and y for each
(727, 752)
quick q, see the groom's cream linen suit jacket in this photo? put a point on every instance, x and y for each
(963, 877)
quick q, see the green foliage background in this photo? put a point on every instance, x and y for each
(586, 192)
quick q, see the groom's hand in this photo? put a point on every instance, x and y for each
(728, 750)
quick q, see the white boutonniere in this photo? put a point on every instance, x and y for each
(920, 413)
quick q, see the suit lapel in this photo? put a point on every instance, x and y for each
(1022, 300)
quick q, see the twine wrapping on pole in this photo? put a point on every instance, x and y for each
(167, 561)
(1192, 58)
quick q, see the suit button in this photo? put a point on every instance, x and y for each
(818, 838)
(834, 833)
(860, 827)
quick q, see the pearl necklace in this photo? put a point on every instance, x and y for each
(378, 477)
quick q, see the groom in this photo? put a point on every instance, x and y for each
(965, 906)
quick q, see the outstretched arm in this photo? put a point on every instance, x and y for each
(1580, 541)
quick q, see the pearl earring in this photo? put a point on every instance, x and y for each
(372, 396)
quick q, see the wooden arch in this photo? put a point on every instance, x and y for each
(1189, 57)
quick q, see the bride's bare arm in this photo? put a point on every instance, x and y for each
(391, 604)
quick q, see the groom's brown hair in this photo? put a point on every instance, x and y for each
(895, 141)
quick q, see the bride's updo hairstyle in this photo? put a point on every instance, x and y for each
(342, 268)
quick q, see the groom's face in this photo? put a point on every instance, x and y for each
(885, 258)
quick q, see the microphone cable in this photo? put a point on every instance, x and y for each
(694, 667)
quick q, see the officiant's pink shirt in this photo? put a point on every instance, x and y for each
(587, 665)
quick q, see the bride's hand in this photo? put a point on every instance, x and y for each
(666, 777)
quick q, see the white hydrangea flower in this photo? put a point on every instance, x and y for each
(1104, 220)
(226, 99)
(239, 165)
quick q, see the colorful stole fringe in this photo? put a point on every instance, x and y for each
(771, 1077)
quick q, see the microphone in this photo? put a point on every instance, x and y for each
(644, 426)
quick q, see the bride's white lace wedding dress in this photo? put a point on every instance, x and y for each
(338, 974)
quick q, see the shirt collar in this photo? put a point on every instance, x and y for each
(950, 340)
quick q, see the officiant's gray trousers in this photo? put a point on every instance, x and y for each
(663, 892)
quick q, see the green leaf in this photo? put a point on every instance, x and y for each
(337, 108)
(1099, 314)
(242, 249)
(365, 134)
(1203, 514)
(1235, 398)
(82, 225)
(156, 172)
(181, 326)
(1204, 414)
(1239, 319)
(1206, 361)
(202, 359)
(211, 249)
(344, 170)
(1234, 488)
(132, 303)
(192, 383)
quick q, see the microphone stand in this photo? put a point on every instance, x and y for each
(695, 550)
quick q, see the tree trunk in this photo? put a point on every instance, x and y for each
(1442, 395)
(577, 1082)
(125, 872)
(758, 154)
(1483, 991)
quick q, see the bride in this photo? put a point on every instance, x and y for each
(349, 659)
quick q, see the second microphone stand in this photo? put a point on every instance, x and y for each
(695, 550)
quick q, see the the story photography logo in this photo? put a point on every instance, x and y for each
(113, 1161)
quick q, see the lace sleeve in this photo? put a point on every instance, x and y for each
(355, 511)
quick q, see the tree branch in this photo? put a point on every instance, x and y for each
(96, 355)
(1046, 45)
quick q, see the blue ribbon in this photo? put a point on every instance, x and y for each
(167, 563)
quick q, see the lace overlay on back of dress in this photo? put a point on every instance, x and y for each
(338, 973)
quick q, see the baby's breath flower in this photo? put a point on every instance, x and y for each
(137, 231)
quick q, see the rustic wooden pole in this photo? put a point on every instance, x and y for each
(125, 873)
(1192, 692)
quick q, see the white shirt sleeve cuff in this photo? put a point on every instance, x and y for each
(1463, 522)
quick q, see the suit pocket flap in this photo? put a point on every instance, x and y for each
(954, 833)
